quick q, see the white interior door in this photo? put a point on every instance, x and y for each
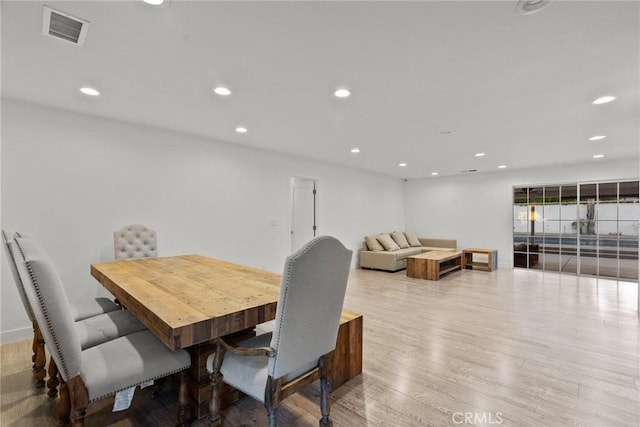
(303, 211)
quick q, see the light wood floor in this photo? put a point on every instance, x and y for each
(523, 348)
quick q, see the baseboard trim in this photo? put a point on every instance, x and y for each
(15, 335)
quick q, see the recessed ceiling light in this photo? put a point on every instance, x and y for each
(89, 91)
(603, 100)
(342, 93)
(222, 91)
(597, 138)
(402, 165)
(154, 2)
(241, 129)
(480, 154)
(355, 150)
(434, 173)
(527, 7)
(502, 166)
(598, 156)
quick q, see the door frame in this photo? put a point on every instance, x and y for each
(316, 184)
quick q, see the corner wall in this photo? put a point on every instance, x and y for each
(71, 180)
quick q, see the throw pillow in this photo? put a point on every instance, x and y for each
(398, 237)
(373, 244)
(412, 239)
(388, 243)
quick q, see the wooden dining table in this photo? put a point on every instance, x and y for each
(188, 301)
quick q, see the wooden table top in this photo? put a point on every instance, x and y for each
(436, 255)
(190, 299)
(479, 250)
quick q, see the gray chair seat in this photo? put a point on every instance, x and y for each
(266, 327)
(248, 372)
(105, 327)
(92, 307)
(128, 361)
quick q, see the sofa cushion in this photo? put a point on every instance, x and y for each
(398, 237)
(388, 243)
(373, 244)
(412, 239)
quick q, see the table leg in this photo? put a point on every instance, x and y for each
(199, 383)
(346, 361)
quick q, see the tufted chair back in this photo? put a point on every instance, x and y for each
(135, 241)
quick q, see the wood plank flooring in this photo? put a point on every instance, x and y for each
(511, 347)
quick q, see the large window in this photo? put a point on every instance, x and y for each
(588, 229)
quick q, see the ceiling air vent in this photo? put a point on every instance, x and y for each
(63, 26)
(469, 171)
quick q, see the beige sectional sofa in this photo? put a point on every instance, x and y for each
(396, 259)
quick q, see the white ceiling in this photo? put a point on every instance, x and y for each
(518, 88)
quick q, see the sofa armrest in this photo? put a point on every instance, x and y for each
(439, 243)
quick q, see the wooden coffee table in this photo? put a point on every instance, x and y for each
(433, 265)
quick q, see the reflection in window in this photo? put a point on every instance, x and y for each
(588, 229)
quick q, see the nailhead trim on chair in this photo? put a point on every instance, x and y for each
(292, 257)
(27, 306)
(141, 382)
(44, 311)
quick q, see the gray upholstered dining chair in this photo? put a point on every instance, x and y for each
(270, 367)
(135, 241)
(99, 371)
(93, 329)
(80, 310)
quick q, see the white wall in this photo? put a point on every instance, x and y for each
(477, 209)
(71, 180)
